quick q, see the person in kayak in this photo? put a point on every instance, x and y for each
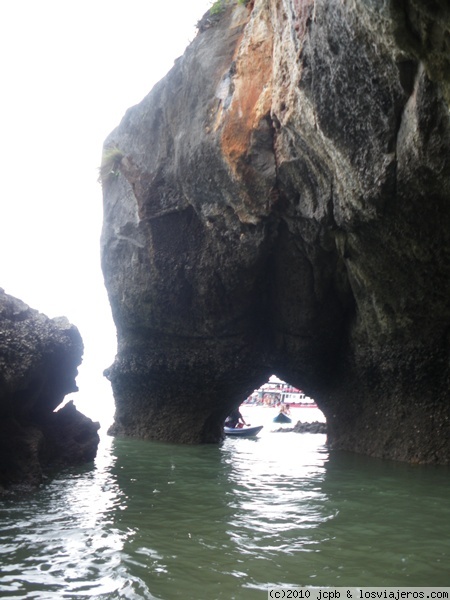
(235, 419)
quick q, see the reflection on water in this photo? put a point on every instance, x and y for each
(153, 520)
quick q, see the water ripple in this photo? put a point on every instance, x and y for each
(160, 521)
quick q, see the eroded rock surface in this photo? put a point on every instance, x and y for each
(38, 365)
(304, 427)
(280, 203)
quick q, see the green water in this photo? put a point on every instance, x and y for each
(152, 520)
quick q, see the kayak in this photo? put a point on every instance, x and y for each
(243, 431)
(282, 418)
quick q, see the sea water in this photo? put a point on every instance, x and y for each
(152, 520)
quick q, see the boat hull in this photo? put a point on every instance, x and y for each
(243, 431)
(281, 418)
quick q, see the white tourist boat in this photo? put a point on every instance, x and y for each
(276, 391)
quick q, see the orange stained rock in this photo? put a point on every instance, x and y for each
(251, 99)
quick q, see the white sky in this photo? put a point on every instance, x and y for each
(69, 70)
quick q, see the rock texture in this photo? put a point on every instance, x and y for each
(280, 203)
(300, 427)
(38, 365)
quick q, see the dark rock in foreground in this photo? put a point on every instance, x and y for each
(38, 365)
(280, 203)
(299, 427)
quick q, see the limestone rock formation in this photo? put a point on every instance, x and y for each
(280, 203)
(38, 365)
(304, 427)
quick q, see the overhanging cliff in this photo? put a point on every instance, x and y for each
(38, 365)
(280, 203)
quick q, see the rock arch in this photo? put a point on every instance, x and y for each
(280, 203)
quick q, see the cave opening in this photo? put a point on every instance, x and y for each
(279, 403)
